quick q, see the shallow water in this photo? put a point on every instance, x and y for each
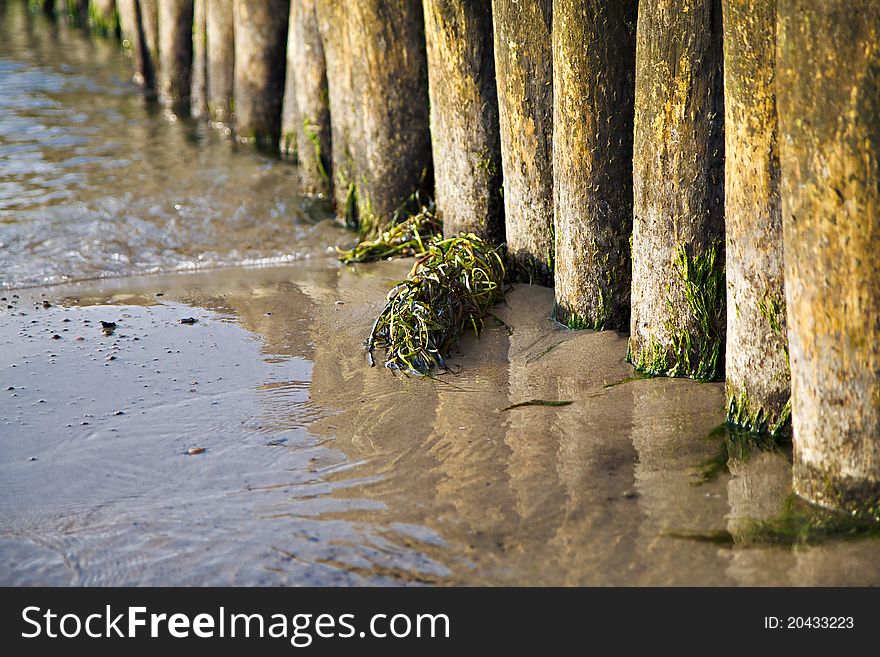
(93, 181)
(316, 469)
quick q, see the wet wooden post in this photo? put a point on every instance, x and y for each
(103, 17)
(199, 93)
(828, 58)
(176, 50)
(46, 6)
(524, 73)
(307, 116)
(677, 325)
(378, 89)
(134, 38)
(594, 46)
(261, 41)
(221, 60)
(289, 112)
(757, 387)
(464, 117)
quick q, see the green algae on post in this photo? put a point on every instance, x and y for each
(449, 290)
(538, 402)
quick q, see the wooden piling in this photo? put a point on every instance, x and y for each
(464, 117)
(594, 46)
(134, 39)
(757, 376)
(524, 73)
(176, 50)
(678, 321)
(307, 124)
(221, 60)
(199, 91)
(828, 58)
(378, 90)
(260, 30)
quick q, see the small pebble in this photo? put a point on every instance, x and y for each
(188, 320)
(192, 451)
(56, 337)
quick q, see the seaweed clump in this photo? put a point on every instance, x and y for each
(407, 238)
(449, 290)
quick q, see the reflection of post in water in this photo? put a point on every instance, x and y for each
(468, 444)
(671, 422)
(596, 536)
(537, 491)
(757, 489)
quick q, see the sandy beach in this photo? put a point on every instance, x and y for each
(318, 469)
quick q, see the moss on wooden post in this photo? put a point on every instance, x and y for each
(261, 43)
(378, 90)
(757, 344)
(103, 17)
(678, 321)
(524, 70)
(176, 50)
(464, 117)
(221, 60)
(308, 120)
(828, 86)
(594, 47)
(199, 92)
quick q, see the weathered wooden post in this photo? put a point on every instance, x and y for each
(103, 17)
(308, 116)
(828, 58)
(524, 72)
(313, 133)
(261, 41)
(464, 117)
(134, 38)
(757, 345)
(199, 92)
(378, 89)
(221, 60)
(149, 20)
(677, 325)
(594, 51)
(289, 113)
(176, 51)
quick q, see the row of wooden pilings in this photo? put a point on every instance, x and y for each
(701, 173)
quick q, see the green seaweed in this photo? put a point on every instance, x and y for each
(537, 402)
(449, 290)
(313, 133)
(407, 238)
(105, 26)
(697, 353)
(638, 376)
(748, 416)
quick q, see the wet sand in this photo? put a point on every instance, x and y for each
(318, 469)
